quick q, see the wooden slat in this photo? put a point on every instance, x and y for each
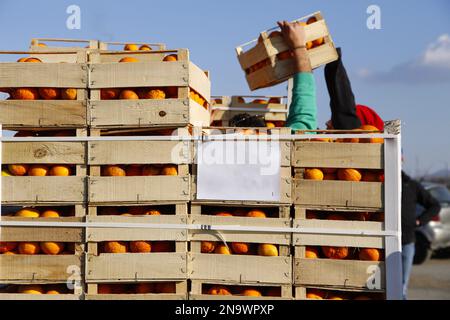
(43, 152)
(139, 189)
(235, 268)
(42, 113)
(43, 189)
(60, 75)
(136, 266)
(341, 273)
(339, 194)
(199, 81)
(338, 155)
(36, 268)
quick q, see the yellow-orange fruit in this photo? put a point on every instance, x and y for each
(10, 253)
(28, 213)
(31, 289)
(311, 253)
(144, 288)
(49, 93)
(7, 246)
(18, 169)
(171, 57)
(52, 292)
(153, 212)
(153, 94)
(265, 249)
(133, 170)
(129, 59)
(313, 174)
(140, 246)
(240, 247)
(315, 294)
(335, 298)
(367, 127)
(369, 254)
(256, 214)
(322, 140)
(169, 170)
(38, 170)
(150, 170)
(113, 171)
(349, 175)
(69, 94)
(115, 247)
(128, 95)
(259, 101)
(52, 248)
(41, 44)
(31, 59)
(145, 47)
(109, 94)
(50, 214)
(222, 249)
(131, 47)
(335, 252)
(25, 94)
(223, 214)
(29, 248)
(251, 292)
(207, 246)
(219, 291)
(270, 125)
(162, 246)
(275, 100)
(59, 170)
(23, 59)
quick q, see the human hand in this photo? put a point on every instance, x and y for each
(293, 33)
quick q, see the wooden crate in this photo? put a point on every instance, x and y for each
(224, 108)
(151, 71)
(29, 190)
(285, 168)
(349, 294)
(275, 70)
(139, 189)
(181, 288)
(197, 286)
(42, 268)
(62, 45)
(240, 268)
(136, 267)
(29, 114)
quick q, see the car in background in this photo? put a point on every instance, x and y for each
(435, 236)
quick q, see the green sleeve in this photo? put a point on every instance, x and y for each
(303, 108)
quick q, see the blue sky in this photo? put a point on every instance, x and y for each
(402, 70)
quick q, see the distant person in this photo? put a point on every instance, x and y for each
(303, 107)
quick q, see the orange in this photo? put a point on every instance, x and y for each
(315, 294)
(251, 292)
(207, 246)
(128, 95)
(349, 175)
(25, 94)
(369, 254)
(28, 213)
(150, 170)
(311, 253)
(335, 252)
(133, 170)
(259, 101)
(171, 57)
(145, 288)
(222, 249)
(52, 292)
(319, 41)
(50, 214)
(256, 214)
(59, 170)
(153, 212)
(223, 214)
(241, 100)
(219, 291)
(169, 170)
(52, 248)
(115, 247)
(153, 94)
(113, 171)
(145, 47)
(49, 93)
(41, 44)
(38, 170)
(29, 248)
(240, 247)
(163, 246)
(313, 174)
(140, 246)
(7, 246)
(22, 59)
(69, 94)
(370, 140)
(275, 100)
(31, 59)
(322, 140)
(335, 298)
(131, 47)
(109, 94)
(10, 253)
(18, 169)
(267, 250)
(165, 287)
(129, 59)
(270, 125)
(31, 289)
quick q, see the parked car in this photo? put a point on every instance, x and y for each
(435, 236)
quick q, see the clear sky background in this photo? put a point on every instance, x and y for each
(402, 70)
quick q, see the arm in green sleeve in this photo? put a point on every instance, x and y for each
(303, 108)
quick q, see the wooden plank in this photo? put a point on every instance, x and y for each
(27, 190)
(139, 189)
(36, 268)
(341, 273)
(338, 155)
(199, 81)
(59, 75)
(240, 236)
(340, 194)
(240, 268)
(140, 152)
(42, 113)
(135, 234)
(136, 266)
(43, 152)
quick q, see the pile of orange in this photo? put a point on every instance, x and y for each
(136, 246)
(38, 170)
(241, 248)
(139, 288)
(344, 174)
(194, 95)
(321, 294)
(364, 129)
(43, 289)
(129, 211)
(228, 290)
(32, 248)
(140, 170)
(135, 47)
(340, 253)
